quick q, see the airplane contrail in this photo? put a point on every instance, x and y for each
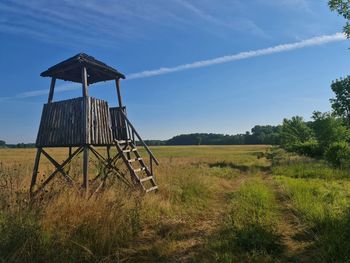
(315, 41)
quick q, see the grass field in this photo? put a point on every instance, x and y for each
(215, 204)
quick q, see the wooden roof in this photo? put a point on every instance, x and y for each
(71, 69)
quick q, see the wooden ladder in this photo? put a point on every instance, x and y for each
(141, 175)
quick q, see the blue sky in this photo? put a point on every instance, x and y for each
(191, 87)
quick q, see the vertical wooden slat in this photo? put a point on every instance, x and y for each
(93, 121)
(104, 123)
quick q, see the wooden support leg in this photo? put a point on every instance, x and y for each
(59, 168)
(108, 153)
(35, 169)
(86, 168)
(69, 156)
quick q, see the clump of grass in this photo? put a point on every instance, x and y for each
(324, 207)
(295, 166)
(310, 169)
(249, 232)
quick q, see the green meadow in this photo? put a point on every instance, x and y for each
(215, 204)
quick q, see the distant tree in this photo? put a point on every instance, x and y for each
(2, 144)
(341, 102)
(267, 134)
(153, 142)
(294, 132)
(343, 9)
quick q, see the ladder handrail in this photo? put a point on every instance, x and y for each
(139, 137)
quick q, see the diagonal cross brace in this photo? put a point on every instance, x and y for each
(109, 164)
(59, 168)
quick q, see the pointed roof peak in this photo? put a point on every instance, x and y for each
(71, 68)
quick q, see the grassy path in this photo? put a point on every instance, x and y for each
(186, 241)
(297, 244)
(264, 226)
(211, 220)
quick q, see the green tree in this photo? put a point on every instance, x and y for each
(266, 134)
(328, 129)
(2, 144)
(341, 102)
(294, 132)
(342, 7)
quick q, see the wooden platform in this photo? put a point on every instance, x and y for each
(86, 122)
(63, 123)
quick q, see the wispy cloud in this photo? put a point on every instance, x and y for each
(320, 40)
(112, 22)
(315, 41)
(303, 5)
(42, 92)
(233, 23)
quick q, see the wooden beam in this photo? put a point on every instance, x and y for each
(52, 88)
(86, 168)
(84, 81)
(117, 84)
(67, 161)
(35, 170)
(109, 165)
(59, 167)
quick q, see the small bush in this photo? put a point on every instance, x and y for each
(310, 148)
(338, 154)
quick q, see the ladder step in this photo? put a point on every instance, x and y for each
(152, 189)
(123, 141)
(146, 179)
(130, 150)
(134, 160)
(140, 169)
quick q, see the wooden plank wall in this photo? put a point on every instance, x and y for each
(118, 124)
(99, 123)
(62, 123)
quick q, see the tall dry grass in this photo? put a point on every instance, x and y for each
(117, 225)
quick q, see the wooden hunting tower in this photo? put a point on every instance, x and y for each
(87, 124)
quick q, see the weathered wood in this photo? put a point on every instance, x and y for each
(118, 124)
(86, 168)
(117, 84)
(63, 125)
(35, 169)
(62, 166)
(109, 163)
(84, 81)
(58, 166)
(140, 139)
(134, 177)
(152, 189)
(86, 122)
(70, 69)
(52, 88)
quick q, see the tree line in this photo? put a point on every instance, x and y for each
(266, 134)
(3, 144)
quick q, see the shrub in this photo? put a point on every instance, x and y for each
(338, 154)
(294, 132)
(310, 148)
